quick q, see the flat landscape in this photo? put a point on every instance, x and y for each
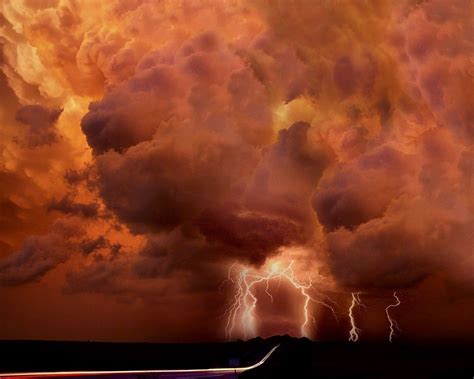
(295, 358)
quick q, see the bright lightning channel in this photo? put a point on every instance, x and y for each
(354, 332)
(242, 309)
(392, 322)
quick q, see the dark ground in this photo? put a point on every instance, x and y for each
(295, 358)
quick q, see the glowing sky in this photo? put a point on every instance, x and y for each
(148, 146)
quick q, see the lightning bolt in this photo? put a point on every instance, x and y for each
(242, 309)
(354, 332)
(392, 322)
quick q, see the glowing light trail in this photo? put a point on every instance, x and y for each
(191, 373)
(242, 309)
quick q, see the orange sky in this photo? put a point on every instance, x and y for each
(146, 146)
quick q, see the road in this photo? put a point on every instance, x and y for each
(130, 374)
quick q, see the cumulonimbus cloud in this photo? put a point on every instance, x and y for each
(218, 133)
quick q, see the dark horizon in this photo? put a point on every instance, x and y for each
(294, 356)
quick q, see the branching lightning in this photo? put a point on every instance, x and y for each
(242, 309)
(354, 332)
(241, 313)
(392, 322)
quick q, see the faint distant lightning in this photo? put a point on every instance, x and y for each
(354, 332)
(242, 309)
(391, 320)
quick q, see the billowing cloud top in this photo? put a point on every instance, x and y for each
(149, 145)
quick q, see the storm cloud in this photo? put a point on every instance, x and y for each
(169, 140)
